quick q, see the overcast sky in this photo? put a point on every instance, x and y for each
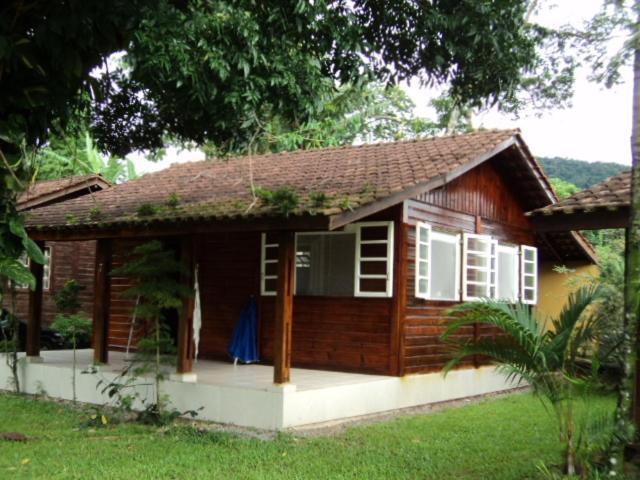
(597, 126)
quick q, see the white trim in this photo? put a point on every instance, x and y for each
(512, 250)
(465, 267)
(451, 239)
(523, 275)
(263, 263)
(418, 277)
(389, 259)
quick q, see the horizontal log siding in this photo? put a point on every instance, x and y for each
(70, 261)
(481, 198)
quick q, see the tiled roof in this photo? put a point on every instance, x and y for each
(610, 194)
(46, 190)
(326, 182)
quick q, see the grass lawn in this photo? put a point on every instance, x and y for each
(501, 438)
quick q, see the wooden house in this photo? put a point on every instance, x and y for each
(66, 261)
(354, 255)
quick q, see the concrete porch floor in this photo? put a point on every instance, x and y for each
(245, 395)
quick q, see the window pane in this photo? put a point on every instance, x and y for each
(271, 268)
(423, 285)
(270, 284)
(477, 261)
(507, 284)
(477, 244)
(529, 255)
(528, 295)
(368, 250)
(374, 233)
(443, 270)
(529, 268)
(271, 253)
(529, 281)
(329, 265)
(423, 268)
(373, 268)
(424, 234)
(477, 275)
(424, 251)
(373, 285)
(474, 290)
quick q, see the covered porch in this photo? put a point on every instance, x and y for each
(245, 395)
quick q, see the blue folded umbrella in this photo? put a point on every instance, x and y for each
(244, 341)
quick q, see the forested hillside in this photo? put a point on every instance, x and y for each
(580, 173)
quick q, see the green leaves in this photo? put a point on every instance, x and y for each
(16, 272)
(33, 251)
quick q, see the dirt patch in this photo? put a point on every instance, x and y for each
(13, 437)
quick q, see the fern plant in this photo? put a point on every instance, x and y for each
(550, 360)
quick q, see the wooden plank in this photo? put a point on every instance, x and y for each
(396, 363)
(185, 321)
(284, 308)
(594, 220)
(191, 227)
(34, 319)
(102, 303)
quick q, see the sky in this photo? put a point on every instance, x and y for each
(597, 127)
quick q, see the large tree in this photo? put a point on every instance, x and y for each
(204, 70)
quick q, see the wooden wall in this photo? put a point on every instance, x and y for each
(70, 261)
(481, 201)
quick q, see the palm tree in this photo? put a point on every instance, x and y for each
(550, 360)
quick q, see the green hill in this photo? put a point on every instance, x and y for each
(580, 173)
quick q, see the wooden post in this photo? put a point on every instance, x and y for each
(34, 320)
(102, 301)
(284, 307)
(185, 322)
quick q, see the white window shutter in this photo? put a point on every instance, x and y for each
(528, 274)
(265, 276)
(476, 270)
(375, 252)
(423, 260)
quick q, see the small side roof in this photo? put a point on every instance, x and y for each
(48, 192)
(605, 205)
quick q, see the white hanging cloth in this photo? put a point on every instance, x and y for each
(197, 314)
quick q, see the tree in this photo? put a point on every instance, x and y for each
(563, 188)
(75, 153)
(547, 359)
(155, 271)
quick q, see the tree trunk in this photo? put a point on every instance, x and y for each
(624, 415)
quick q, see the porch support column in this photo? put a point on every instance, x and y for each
(185, 322)
(102, 301)
(34, 319)
(284, 308)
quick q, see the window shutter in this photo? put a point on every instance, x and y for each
(374, 259)
(268, 266)
(477, 266)
(493, 270)
(529, 274)
(46, 269)
(423, 260)
(508, 282)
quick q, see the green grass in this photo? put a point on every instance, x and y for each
(496, 439)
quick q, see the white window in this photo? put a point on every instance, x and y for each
(268, 265)
(374, 259)
(529, 274)
(507, 273)
(479, 276)
(325, 263)
(46, 268)
(423, 259)
(437, 264)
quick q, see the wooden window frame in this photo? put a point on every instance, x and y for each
(523, 274)
(388, 293)
(466, 267)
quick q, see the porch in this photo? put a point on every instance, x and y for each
(245, 395)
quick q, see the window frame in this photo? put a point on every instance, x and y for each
(465, 266)
(388, 259)
(418, 260)
(263, 266)
(433, 235)
(523, 274)
(47, 251)
(515, 250)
